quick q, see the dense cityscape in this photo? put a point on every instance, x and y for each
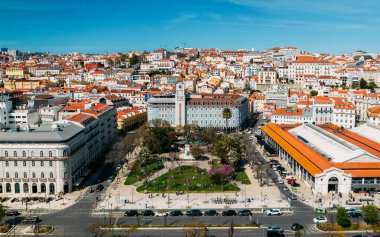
(279, 142)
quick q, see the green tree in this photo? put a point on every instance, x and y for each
(251, 61)
(124, 57)
(134, 60)
(372, 85)
(371, 213)
(342, 217)
(313, 93)
(2, 211)
(355, 85)
(197, 152)
(363, 84)
(226, 114)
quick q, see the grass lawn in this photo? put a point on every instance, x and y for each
(150, 167)
(242, 177)
(336, 227)
(186, 178)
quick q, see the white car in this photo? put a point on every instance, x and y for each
(320, 219)
(161, 213)
(273, 212)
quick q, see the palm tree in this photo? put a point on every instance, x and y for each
(226, 114)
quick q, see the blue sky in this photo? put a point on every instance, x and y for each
(98, 26)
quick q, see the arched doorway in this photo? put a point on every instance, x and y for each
(66, 188)
(17, 188)
(8, 188)
(43, 188)
(34, 188)
(333, 184)
(26, 188)
(51, 188)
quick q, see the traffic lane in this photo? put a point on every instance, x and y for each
(212, 232)
(183, 220)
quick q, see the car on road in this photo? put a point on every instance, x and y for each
(296, 227)
(131, 213)
(147, 213)
(211, 213)
(275, 233)
(244, 213)
(99, 188)
(275, 227)
(111, 178)
(280, 181)
(320, 219)
(194, 212)
(229, 213)
(176, 213)
(273, 212)
(12, 213)
(320, 210)
(31, 220)
(161, 213)
(355, 214)
(292, 196)
(284, 187)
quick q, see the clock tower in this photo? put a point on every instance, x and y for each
(180, 105)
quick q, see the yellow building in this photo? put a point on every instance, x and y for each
(21, 84)
(15, 72)
(131, 118)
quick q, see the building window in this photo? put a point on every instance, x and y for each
(33, 163)
(25, 175)
(7, 175)
(42, 175)
(50, 154)
(6, 163)
(51, 175)
(42, 163)
(41, 154)
(6, 154)
(33, 175)
(16, 175)
(15, 163)
(24, 163)
(51, 163)
(15, 153)
(23, 154)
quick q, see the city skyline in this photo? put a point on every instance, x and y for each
(68, 26)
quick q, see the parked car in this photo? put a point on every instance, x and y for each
(31, 220)
(131, 213)
(296, 227)
(176, 213)
(320, 219)
(12, 213)
(147, 213)
(272, 212)
(275, 233)
(320, 210)
(211, 213)
(292, 196)
(161, 213)
(99, 188)
(284, 187)
(354, 215)
(229, 213)
(244, 213)
(194, 212)
(111, 178)
(274, 227)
